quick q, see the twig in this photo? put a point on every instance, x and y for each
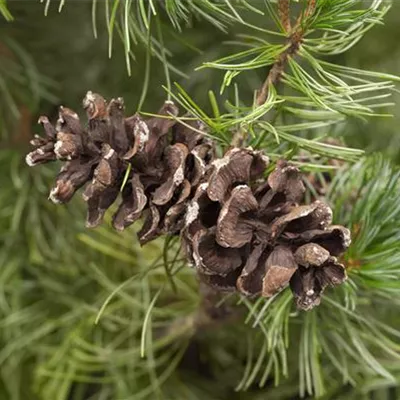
(284, 14)
(275, 73)
(310, 10)
(294, 43)
(210, 311)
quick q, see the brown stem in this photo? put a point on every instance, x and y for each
(210, 312)
(284, 14)
(209, 315)
(310, 10)
(294, 42)
(275, 73)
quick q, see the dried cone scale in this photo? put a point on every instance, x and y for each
(241, 231)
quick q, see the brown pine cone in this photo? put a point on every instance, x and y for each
(165, 168)
(252, 235)
(241, 230)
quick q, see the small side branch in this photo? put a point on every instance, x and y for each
(210, 312)
(312, 5)
(275, 73)
(294, 41)
(284, 14)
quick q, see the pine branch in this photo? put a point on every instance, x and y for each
(311, 7)
(276, 72)
(284, 15)
(317, 90)
(292, 47)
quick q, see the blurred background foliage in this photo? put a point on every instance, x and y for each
(90, 315)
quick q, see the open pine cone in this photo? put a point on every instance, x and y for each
(165, 169)
(252, 235)
(241, 231)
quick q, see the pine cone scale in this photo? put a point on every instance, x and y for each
(232, 231)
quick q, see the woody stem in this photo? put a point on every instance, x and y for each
(294, 42)
(277, 70)
(210, 311)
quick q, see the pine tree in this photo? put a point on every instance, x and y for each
(271, 110)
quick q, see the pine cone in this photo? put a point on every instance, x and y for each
(241, 231)
(252, 235)
(165, 169)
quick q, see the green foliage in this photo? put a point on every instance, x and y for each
(57, 303)
(133, 20)
(318, 93)
(20, 84)
(4, 11)
(88, 317)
